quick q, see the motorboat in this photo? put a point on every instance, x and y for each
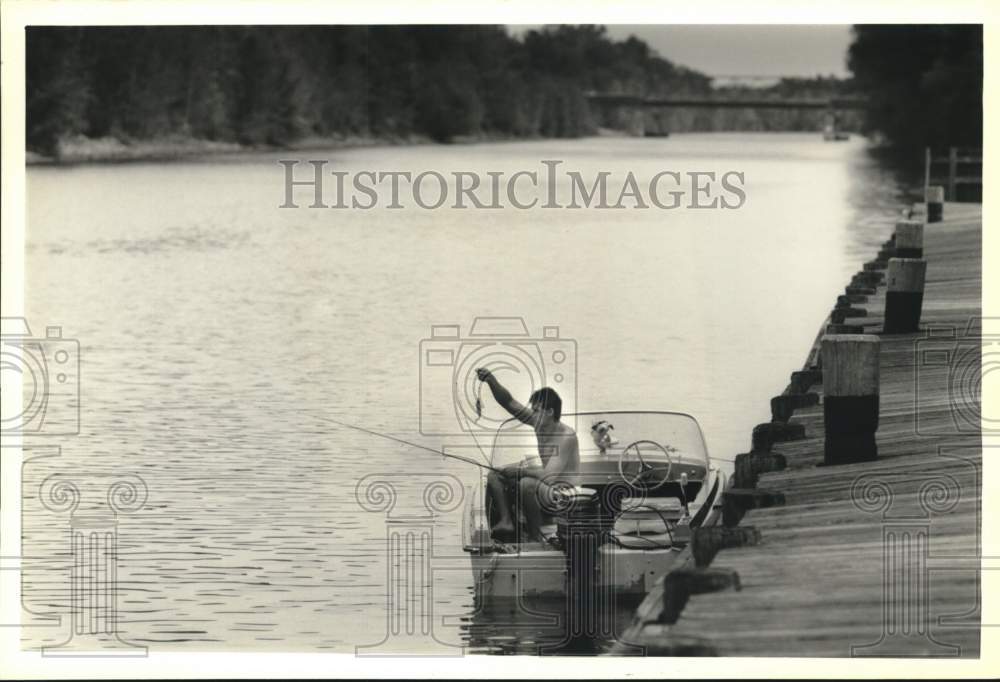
(647, 477)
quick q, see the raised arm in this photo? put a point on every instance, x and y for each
(504, 398)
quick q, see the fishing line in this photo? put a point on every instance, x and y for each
(406, 442)
(479, 414)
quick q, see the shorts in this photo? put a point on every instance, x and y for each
(545, 490)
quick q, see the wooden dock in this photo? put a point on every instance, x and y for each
(880, 558)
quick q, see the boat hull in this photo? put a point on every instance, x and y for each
(634, 556)
(536, 571)
(541, 573)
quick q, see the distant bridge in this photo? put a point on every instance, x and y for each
(834, 104)
(651, 115)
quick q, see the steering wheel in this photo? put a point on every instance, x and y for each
(644, 467)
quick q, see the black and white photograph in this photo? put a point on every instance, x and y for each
(386, 346)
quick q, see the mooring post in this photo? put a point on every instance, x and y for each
(927, 167)
(850, 397)
(935, 203)
(681, 584)
(905, 295)
(952, 172)
(909, 239)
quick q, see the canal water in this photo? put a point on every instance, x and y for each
(217, 331)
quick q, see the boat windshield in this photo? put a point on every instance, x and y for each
(679, 433)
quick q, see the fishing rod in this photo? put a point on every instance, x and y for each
(467, 460)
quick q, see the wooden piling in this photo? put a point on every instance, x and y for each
(850, 397)
(680, 584)
(837, 328)
(655, 640)
(858, 290)
(934, 196)
(707, 541)
(841, 313)
(803, 380)
(748, 467)
(909, 239)
(783, 406)
(905, 295)
(767, 434)
(738, 501)
(868, 278)
(845, 300)
(952, 172)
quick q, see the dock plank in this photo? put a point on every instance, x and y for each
(883, 553)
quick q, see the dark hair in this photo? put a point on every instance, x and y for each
(548, 399)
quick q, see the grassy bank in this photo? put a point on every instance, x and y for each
(82, 149)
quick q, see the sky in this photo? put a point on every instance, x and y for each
(754, 50)
(758, 50)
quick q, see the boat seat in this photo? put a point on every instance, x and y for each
(645, 541)
(670, 507)
(647, 522)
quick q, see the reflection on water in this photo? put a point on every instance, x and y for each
(538, 627)
(216, 330)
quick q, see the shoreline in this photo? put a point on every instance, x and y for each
(82, 150)
(109, 150)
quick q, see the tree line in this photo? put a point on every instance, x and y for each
(924, 83)
(272, 85)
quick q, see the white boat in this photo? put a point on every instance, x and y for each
(653, 484)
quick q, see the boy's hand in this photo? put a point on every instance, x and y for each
(484, 374)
